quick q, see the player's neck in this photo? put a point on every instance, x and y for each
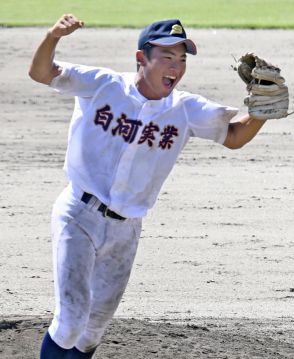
(144, 89)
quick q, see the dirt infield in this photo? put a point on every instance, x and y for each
(213, 277)
(133, 338)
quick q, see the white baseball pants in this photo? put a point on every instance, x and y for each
(92, 258)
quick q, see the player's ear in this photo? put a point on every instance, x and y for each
(140, 58)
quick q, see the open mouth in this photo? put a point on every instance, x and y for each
(168, 81)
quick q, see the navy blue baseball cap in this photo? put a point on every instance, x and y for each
(166, 33)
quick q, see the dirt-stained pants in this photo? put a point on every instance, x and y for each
(92, 256)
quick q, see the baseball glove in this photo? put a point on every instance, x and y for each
(268, 96)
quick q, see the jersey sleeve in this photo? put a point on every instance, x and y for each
(79, 80)
(207, 119)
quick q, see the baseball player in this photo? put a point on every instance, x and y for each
(126, 132)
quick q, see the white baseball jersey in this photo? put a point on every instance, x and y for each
(122, 146)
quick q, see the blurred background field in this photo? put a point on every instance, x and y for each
(133, 13)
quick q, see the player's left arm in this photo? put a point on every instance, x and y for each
(242, 131)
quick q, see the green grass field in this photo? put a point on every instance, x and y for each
(134, 13)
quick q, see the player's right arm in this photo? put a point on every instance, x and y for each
(42, 68)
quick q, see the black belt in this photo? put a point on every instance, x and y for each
(102, 208)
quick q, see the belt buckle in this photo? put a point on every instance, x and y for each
(105, 212)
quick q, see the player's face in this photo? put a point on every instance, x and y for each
(162, 71)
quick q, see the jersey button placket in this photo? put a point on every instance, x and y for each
(126, 161)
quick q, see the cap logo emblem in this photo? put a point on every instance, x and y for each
(176, 29)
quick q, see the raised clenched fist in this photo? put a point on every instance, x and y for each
(67, 24)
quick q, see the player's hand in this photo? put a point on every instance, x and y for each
(65, 25)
